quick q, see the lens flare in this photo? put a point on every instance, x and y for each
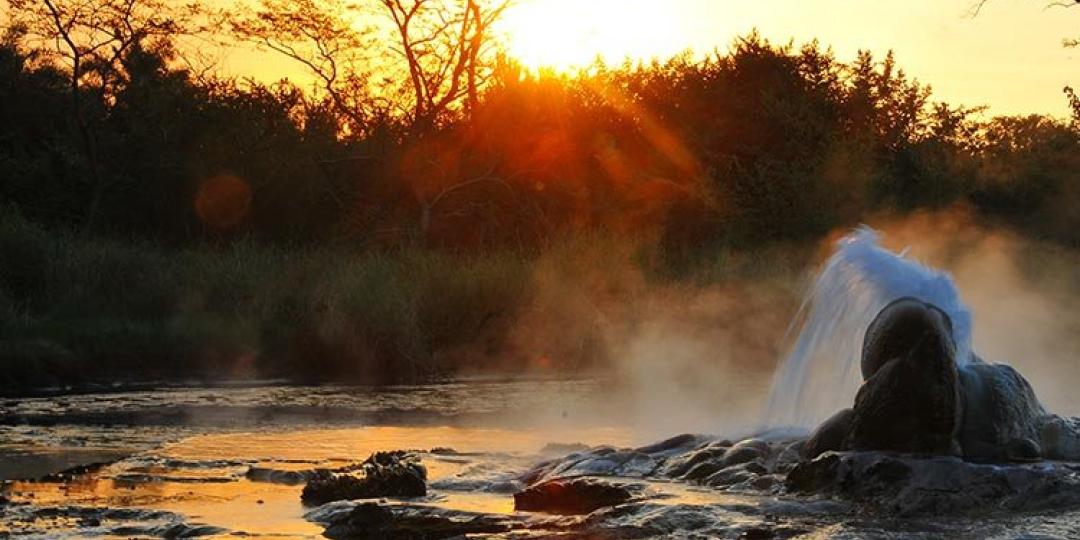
(222, 202)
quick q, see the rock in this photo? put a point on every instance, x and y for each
(910, 401)
(370, 520)
(681, 465)
(702, 471)
(602, 461)
(813, 476)
(906, 485)
(1002, 416)
(1023, 450)
(758, 533)
(571, 496)
(383, 474)
(276, 476)
(647, 520)
(1060, 437)
(674, 445)
(742, 473)
(746, 450)
(915, 399)
(792, 452)
(897, 328)
(830, 436)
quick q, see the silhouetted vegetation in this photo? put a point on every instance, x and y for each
(161, 222)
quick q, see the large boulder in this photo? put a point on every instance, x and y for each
(917, 399)
(1002, 416)
(910, 401)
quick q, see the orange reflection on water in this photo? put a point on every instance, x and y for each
(218, 494)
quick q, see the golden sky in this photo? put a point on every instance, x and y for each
(1009, 57)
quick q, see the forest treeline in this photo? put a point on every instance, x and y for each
(159, 205)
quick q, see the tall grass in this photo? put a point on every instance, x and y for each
(86, 310)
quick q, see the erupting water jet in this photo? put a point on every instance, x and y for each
(919, 386)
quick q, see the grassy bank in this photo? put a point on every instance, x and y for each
(77, 310)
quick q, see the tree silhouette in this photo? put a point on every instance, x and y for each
(322, 37)
(444, 47)
(90, 39)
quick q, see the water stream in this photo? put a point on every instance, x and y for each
(820, 375)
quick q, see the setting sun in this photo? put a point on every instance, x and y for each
(567, 34)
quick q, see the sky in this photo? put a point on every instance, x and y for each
(1008, 57)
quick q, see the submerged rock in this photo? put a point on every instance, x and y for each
(383, 474)
(572, 496)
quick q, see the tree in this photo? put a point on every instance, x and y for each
(320, 35)
(90, 38)
(445, 46)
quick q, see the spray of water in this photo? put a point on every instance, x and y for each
(821, 375)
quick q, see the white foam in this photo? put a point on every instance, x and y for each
(821, 375)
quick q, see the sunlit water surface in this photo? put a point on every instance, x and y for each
(179, 461)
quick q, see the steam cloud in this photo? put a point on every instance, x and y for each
(700, 358)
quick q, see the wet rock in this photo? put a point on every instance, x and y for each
(742, 473)
(916, 399)
(1060, 437)
(767, 482)
(369, 520)
(830, 436)
(792, 452)
(602, 461)
(277, 476)
(572, 496)
(745, 451)
(675, 445)
(1001, 414)
(703, 470)
(681, 465)
(906, 485)
(643, 519)
(910, 400)
(1023, 450)
(384, 474)
(183, 530)
(814, 476)
(758, 533)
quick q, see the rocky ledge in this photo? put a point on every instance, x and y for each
(904, 485)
